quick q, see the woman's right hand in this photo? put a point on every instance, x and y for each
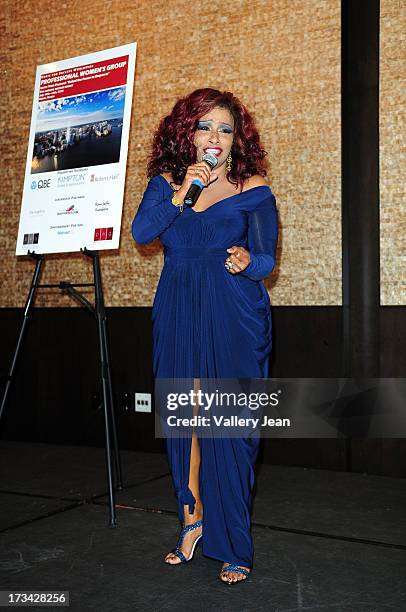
(199, 171)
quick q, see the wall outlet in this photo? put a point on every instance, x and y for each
(143, 402)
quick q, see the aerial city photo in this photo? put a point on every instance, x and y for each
(79, 131)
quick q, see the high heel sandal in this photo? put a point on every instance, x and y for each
(231, 567)
(176, 551)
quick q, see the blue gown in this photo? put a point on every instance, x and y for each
(210, 323)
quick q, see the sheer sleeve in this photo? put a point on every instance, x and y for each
(262, 239)
(155, 213)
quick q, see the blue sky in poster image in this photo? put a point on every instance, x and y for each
(85, 108)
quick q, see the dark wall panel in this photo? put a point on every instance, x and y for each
(52, 396)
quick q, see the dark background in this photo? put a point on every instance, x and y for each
(52, 397)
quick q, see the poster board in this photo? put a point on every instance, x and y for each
(77, 153)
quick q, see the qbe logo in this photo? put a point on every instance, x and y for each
(41, 184)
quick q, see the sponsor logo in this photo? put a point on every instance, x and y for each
(68, 211)
(103, 233)
(31, 239)
(71, 180)
(41, 184)
(37, 212)
(94, 178)
(102, 206)
(63, 229)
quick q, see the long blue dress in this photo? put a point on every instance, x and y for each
(210, 323)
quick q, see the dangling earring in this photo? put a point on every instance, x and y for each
(229, 162)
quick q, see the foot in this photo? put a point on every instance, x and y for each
(233, 576)
(187, 543)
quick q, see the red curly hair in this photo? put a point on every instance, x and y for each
(173, 149)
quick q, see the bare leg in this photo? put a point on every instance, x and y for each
(197, 515)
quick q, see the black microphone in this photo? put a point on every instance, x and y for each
(196, 187)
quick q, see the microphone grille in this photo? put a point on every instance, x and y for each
(211, 159)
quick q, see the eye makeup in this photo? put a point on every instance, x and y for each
(207, 125)
(201, 125)
(227, 129)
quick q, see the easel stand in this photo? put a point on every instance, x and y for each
(98, 311)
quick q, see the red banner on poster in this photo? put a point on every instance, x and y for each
(84, 79)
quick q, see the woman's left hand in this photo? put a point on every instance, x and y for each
(238, 259)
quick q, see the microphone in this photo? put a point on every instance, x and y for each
(196, 187)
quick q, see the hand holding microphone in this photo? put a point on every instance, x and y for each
(197, 177)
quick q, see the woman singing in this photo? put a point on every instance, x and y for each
(211, 314)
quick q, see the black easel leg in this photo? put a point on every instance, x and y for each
(108, 407)
(117, 462)
(30, 301)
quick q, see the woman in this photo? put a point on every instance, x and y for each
(211, 313)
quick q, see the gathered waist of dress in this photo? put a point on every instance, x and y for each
(199, 252)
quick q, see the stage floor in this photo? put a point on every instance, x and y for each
(323, 539)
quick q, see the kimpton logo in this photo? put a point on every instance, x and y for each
(70, 180)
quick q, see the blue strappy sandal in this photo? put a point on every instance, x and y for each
(234, 568)
(176, 551)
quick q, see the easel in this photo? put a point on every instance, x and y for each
(98, 310)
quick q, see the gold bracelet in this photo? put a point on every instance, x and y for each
(177, 203)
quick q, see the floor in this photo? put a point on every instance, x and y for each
(323, 540)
